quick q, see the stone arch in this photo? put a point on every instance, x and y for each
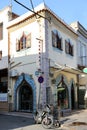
(30, 81)
(62, 91)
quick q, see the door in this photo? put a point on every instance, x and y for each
(25, 98)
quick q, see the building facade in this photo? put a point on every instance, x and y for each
(81, 62)
(5, 16)
(42, 62)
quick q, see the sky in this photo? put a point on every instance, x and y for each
(68, 10)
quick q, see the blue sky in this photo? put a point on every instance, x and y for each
(68, 10)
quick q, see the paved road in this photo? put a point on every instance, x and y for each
(12, 121)
(9, 122)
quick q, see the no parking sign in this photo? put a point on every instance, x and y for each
(40, 79)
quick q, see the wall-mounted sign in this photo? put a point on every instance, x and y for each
(36, 73)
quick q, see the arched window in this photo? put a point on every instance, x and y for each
(23, 42)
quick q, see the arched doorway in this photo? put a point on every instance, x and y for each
(72, 97)
(25, 98)
(62, 94)
(25, 91)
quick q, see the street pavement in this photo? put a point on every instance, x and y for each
(77, 120)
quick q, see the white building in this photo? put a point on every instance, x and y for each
(5, 16)
(43, 61)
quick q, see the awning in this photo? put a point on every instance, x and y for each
(66, 69)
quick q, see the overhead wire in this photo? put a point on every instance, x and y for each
(49, 19)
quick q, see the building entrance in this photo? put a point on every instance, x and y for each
(25, 98)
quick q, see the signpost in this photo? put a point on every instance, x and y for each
(40, 80)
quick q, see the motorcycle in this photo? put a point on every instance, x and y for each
(50, 121)
(40, 115)
(46, 119)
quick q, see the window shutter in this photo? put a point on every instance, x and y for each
(0, 55)
(17, 45)
(66, 47)
(28, 41)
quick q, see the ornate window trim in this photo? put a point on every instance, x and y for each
(23, 42)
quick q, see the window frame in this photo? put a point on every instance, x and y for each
(56, 40)
(23, 42)
(69, 47)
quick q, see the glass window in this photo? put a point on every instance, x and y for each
(23, 42)
(68, 47)
(3, 87)
(56, 40)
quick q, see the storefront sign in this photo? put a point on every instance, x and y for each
(3, 97)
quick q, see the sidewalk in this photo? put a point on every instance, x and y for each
(76, 121)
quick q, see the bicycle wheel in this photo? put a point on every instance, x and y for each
(47, 122)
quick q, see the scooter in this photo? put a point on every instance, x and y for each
(50, 121)
(41, 114)
(46, 119)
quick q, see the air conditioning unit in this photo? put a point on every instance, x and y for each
(13, 73)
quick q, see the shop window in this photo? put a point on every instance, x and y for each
(56, 40)
(23, 42)
(68, 47)
(1, 31)
(3, 87)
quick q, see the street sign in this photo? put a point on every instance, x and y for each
(85, 70)
(40, 79)
(36, 73)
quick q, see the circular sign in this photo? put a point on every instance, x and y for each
(40, 79)
(85, 70)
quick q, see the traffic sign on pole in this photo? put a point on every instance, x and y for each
(40, 79)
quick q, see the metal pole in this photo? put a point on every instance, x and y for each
(39, 96)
